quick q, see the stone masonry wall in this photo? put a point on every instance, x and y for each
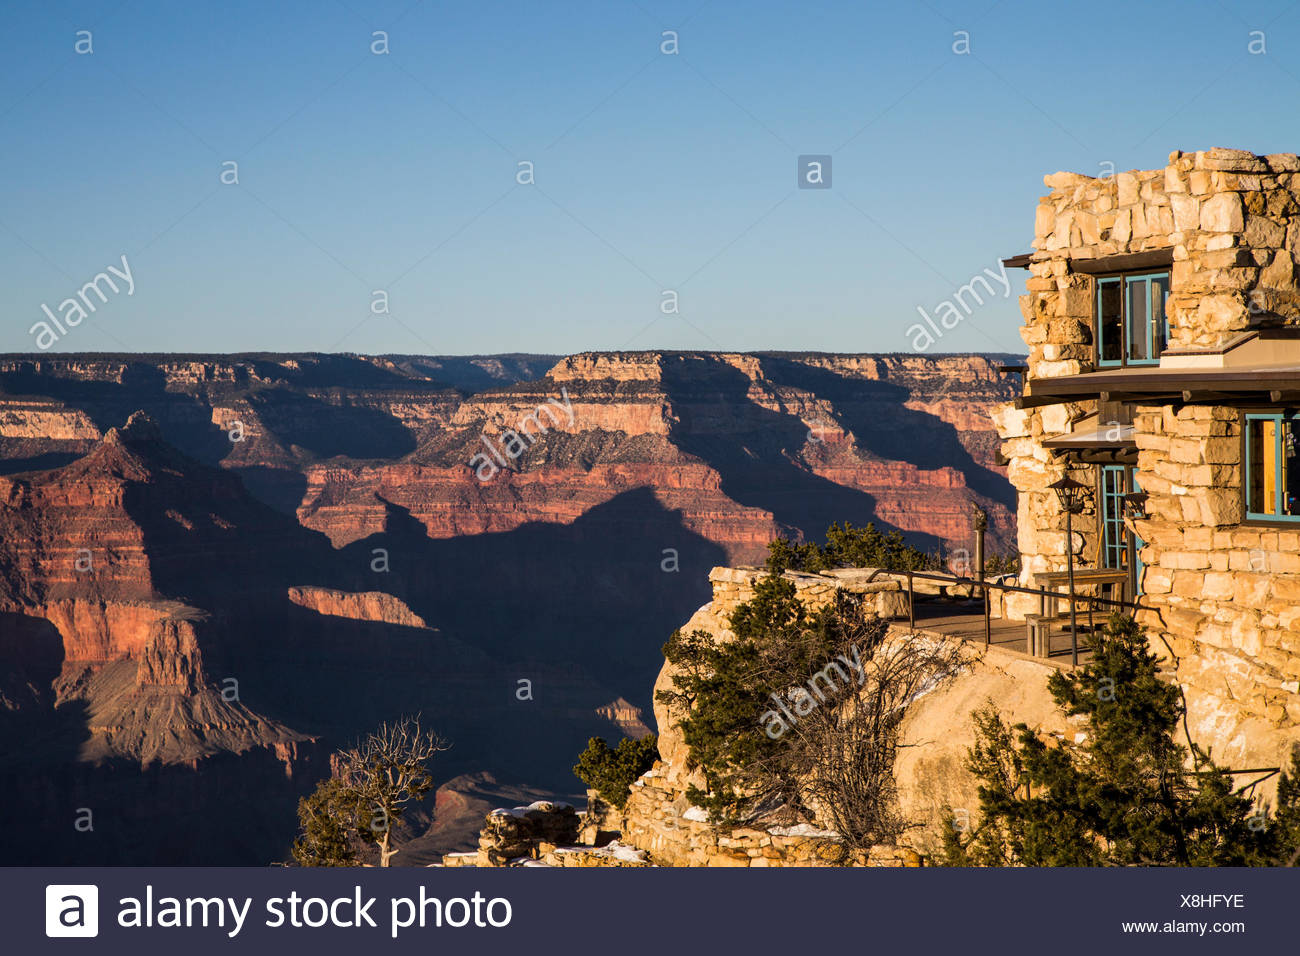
(1226, 595)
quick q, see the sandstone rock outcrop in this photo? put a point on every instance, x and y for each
(930, 770)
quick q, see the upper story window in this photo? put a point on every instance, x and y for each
(1272, 478)
(1131, 324)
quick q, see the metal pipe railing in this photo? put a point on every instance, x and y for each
(986, 586)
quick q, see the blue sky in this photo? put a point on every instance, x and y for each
(359, 172)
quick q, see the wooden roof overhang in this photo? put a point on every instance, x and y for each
(1273, 385)
(1089, 441)
(1124, 262)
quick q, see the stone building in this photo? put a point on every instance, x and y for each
(1163, 325)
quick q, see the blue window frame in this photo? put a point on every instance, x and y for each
(1131, 326)
(1272, 478)
(1114, 539)
(1138, 545)
(1120, 547)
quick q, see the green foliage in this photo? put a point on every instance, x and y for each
(354, 812)
(724, 689)
(996, 565)
(1125, 796)
(848, 547)
(612, 772)
(328, 820)
(1286, 818)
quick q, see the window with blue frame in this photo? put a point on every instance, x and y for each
(1114, 540)
(1272, 479)
(1121, 548)
(1131, 325)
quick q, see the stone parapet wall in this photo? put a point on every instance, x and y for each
(734, 586)
(662, 821)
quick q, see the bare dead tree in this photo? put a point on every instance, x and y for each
(386, 771)
(851, 748)
(797, 718)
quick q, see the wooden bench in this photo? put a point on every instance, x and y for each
(1108, 578)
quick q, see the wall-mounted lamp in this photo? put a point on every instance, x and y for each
(1071, 493)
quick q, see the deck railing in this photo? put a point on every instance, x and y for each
(986, 585)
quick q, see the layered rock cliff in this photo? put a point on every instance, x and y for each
(743, 445)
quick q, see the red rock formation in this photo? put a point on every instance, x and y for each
(628, 717)
(78, 550)
(618, 421)
(358, 606)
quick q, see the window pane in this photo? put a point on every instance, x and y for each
(1139, 314)
(1114, 550)
(1262, 465)
(1159, 296)
(1110, 312)
(1290, 474)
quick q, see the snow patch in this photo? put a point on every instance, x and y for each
(803, 830)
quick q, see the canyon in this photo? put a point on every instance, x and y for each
(215, 570)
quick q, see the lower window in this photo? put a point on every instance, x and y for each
(1272, 478)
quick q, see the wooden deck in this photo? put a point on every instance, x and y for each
(953, 619)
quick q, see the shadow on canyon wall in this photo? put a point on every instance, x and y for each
(603, 592)
(578, 611)
(874, 411)
(320, 428)
(753, 449)
(326, 430)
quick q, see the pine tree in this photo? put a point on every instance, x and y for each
(328, 820)
(1285, 832)
(611, 772)
(1129, 794)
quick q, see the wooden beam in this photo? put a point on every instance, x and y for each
(1140, 398)
(1032, 401)
(1124, 263)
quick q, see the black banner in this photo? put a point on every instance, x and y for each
(652, 911)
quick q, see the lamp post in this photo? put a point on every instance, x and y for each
(1135, 510)
(1072, 495)
(980, 524)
